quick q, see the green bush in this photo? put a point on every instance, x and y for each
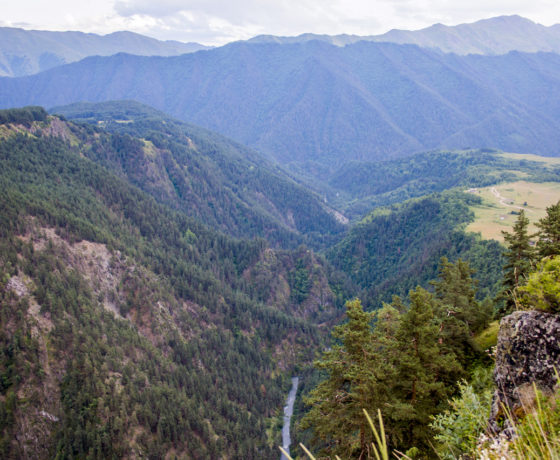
(459, 428)
(542, 291)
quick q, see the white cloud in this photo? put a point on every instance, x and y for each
(219, 21)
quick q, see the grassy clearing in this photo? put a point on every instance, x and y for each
(488, 338)
(499, 201)
(552, 161)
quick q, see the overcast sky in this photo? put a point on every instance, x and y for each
(216, 22)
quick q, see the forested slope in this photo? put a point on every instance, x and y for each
(314, 102)
(361, 186)
(394, 249)
(221, 183)
(127, 328)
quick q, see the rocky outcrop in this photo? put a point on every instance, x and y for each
(527, 353)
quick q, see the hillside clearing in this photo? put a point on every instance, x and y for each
(551, 161)
(501, 204)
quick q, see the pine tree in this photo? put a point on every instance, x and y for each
(356, 379)
(520, 256)
(458, 312)
(549, 234)
(425, 371)
(456, 289)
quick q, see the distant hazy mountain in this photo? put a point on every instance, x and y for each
(25, 52)
(489, 36)
(321, 104)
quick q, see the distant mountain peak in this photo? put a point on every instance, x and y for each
(25, 52)
(490, 36)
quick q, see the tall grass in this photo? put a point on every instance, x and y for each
(536, 436)
(379, 447)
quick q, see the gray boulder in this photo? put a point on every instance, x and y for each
(527, 356)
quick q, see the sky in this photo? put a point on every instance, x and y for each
(215, 22)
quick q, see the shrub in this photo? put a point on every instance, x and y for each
(542, 291)
(459, 428)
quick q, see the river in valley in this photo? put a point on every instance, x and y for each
(288, 411)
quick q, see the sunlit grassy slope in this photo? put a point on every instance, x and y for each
(551, 161)
(500, 202)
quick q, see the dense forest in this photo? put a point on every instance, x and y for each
(119, 308)
(424, 362)
(160, 284)
(394, 249)
(203, 174)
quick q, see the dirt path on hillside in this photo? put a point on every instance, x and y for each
(502, 200)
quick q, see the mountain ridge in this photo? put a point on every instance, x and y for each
(317, 102)
(205, 175)
(131, 329)
(24, 52)
(495, 35)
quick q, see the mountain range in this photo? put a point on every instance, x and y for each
(498, 35)
(25, 52)
(161, 282)
(319, 104)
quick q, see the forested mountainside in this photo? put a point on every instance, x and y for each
(394, 249)
(418, 362)
(129, 329)
(358, 187)
(317, 102)
(203, 174)
(25, 52)
(498, 35)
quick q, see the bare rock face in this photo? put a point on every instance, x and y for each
(528, 352)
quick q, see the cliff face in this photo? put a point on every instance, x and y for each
(528, 351)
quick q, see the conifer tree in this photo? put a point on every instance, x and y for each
(355, 380)
(519, 255)
(456, 289)
(549, 234)
(459, 314)
(424, 369)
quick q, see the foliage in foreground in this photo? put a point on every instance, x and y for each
(459, 427)
(538, 435)
(527, 282)
(378, 447)
(542, 291)
(407, 366)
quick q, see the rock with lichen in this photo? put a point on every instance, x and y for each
(527, 357)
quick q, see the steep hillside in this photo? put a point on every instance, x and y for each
(205, 175)
(127, 328)
(498, 35)
(25, 52)
(394, 249)
(321, 104)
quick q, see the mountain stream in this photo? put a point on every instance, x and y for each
(288, 411)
